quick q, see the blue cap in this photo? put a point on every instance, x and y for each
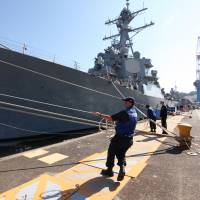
(129, 99)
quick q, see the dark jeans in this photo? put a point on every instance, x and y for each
(164, 122)
(152, 125)
(118, 147)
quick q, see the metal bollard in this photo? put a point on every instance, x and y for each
(185, 139)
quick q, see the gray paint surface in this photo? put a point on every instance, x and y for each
(25, 84)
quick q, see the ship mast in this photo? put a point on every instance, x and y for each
(122, 23)
(127, 4)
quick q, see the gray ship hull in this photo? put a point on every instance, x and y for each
(22, 83)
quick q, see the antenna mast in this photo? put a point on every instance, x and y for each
(122, 23)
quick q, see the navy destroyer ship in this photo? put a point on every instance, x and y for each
(41, 97)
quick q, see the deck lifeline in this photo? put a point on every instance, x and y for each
(83, 181)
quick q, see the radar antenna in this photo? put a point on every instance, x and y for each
(122, 23)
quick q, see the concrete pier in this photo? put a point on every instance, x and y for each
(156, 168)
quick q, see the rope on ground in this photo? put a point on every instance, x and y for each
(85, 162)
(192, 150)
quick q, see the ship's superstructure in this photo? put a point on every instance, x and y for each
(118, 65)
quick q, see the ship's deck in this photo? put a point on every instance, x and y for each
(157, 169)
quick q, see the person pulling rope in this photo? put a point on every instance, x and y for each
(126, 121)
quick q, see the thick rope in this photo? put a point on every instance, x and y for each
(57, 79)
(164, 129)
(121, 94)
(191, 148)
(22, 129)
(67, 82)
(44, 103)
(48, 114)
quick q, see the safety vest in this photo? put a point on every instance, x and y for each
(127, 128)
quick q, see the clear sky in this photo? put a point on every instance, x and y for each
(73, 31)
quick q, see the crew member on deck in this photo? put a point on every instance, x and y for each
(125, 126)
(151, 115)
(163, 116)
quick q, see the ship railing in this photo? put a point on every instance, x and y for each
(30, 50)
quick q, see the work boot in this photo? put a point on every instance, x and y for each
(121, 173)
(107, 172)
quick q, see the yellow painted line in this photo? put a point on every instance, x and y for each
(95, 186)
(53, 158)
(41, 191)
(11, 194)
(35, 153)
(87, 173)
(41, 187)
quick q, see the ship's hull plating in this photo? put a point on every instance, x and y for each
(25, 84)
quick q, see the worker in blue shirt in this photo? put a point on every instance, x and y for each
(126, 121)
(151, 115)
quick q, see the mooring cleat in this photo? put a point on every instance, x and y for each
(107, 172)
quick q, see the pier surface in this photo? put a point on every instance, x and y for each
(156, 168)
